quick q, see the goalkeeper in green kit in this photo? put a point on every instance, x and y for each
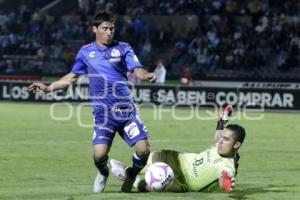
(215, 167)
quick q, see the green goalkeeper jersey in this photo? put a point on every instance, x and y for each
(203, 169)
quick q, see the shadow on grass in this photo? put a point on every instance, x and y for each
(246, 192)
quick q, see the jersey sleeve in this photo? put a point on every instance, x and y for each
(131, 59)
(79, 67)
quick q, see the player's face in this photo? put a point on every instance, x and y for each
(104, 33)
(227, 144)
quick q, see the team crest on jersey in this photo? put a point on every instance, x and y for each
(115, 53)
(115, 56)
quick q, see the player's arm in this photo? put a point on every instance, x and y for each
(222, 121)
(64, 82)
(144, 74)
(134, 65)
(227, 181)
(217, 135)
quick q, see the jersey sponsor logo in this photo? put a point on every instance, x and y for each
(114, 59)
(115, 53)
(92, 54)
(196, 164)
(132, 130)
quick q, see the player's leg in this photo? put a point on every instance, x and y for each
(135, 134)
(140, 158)
(139, 161)
(101, 157)
(100, 160)
(102, 140)
(118, 168)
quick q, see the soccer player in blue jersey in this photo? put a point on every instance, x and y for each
(106, 62)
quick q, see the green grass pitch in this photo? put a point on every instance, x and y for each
(42, 158)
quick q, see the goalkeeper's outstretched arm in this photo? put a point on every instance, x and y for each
(224, 118)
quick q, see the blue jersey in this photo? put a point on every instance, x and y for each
(106, 68)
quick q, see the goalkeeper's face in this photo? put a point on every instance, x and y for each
(104, 33)
(227, 144)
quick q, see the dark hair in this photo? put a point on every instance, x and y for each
(238, 131)
(102, 16)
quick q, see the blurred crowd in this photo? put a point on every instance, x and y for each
(248, 36)
(188, 7)
(33, 42)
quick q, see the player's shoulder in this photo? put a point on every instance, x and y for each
(86, 47)
(230, 164)
(87, 50)
(124, 45)
(212, 148)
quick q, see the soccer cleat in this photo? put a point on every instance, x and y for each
(128, 182)
(118, 169)
(226, 114)
(100, 182)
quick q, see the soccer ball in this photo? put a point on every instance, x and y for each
(159, 175)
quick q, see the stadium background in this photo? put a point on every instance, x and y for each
(240, 52)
